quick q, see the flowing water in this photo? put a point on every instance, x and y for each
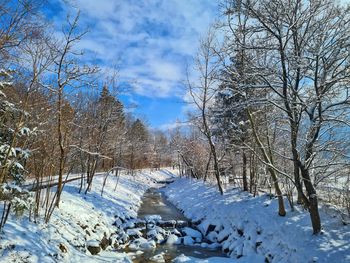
(155, 203)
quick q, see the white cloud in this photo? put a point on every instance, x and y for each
(174, 125)
(152, 38)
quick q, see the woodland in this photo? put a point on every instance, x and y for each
(269, 98)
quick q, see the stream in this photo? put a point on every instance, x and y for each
(154, 202)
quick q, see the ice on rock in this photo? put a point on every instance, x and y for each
(160, 230)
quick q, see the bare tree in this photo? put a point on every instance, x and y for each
(68, 73)
(291, 57)
(207, 64)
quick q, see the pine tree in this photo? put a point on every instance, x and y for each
(12, 157)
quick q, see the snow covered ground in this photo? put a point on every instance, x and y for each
(246, 228)
(249, 229)
(80, 221)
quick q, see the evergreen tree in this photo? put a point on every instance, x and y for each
(12, 157)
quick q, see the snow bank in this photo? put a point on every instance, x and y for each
(182, 258)
(249, 229)
(81, 220)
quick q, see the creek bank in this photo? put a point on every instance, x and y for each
(83, 224)
(162, 233)
(248, 228)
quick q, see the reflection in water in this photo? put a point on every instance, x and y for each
(155, 203)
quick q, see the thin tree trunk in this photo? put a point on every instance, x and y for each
(244, 171)
(269, 162)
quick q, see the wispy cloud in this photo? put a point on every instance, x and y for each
(152, 40)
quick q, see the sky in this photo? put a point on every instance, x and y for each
(151, 42)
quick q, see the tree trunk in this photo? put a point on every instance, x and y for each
(244, 171)
(268, 161)
(207, 168)
(61, 156)
(216, 166)
(313, 200)
(251, 173)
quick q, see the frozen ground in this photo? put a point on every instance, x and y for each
(246, 228)
(249, 229)
(80, 220)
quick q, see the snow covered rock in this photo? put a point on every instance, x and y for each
(181, 224)
(172, 240)
(105, 242)
(134, 233)
(153, 218)
(223, 235)
(192, 232)
(214, 245)
(158, 258)
(150, 225)
(156, 235)
(188, 241)
(118, 222)
(142, 244)
(168, 223)
(93, 246)
(212, 236)
(176, 232)
(182, 258)
(128, 225)
(139, 223)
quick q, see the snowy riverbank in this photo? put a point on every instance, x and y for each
(80, 221)
(249, 230)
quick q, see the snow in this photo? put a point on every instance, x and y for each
(188, 241)
(172, 240)
(93, 243)
(134, 232)
(183, 258)
(158, 258)
(79, 220)
(192, 232)
(153, 218)
(141, 244)
(249, 229)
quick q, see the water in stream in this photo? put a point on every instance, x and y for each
(155, 203)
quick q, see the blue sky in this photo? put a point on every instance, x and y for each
(151, 41)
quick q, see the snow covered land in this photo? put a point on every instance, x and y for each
(81, 220)
(244, 227)
(249, 230)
